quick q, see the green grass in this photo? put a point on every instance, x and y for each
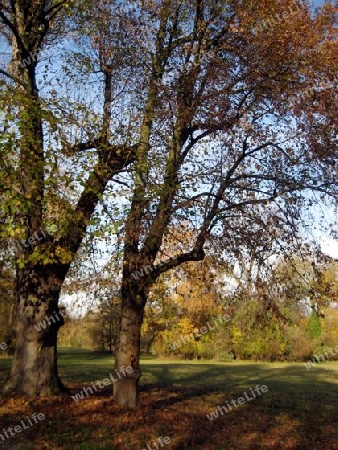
(80, 365)
(86, 366)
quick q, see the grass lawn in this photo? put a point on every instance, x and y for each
(299, 410)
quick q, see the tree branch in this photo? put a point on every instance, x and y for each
(13, 78)
(83, 146)
(176, 261)
(11, 26)
(95, 186)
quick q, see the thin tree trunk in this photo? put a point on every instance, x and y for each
(128, 352)
(34, 368)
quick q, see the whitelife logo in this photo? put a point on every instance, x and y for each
(322, 357)
(55, 317)
(32, 57)
(282, 16)
(197, 334)
(162, 441)
(106, 382)
(18, 428)
(31, 241)
(241, 400)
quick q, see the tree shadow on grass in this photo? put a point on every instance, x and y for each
(305, 410)
(298, 412)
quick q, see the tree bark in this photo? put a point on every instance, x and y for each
(128, 350)
(34, 368)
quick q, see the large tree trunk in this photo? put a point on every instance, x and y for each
(34, 368)
(128, 350)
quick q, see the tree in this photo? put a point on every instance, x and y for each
(48, 223)
(217, 117)
(109, 312)
(223, 135)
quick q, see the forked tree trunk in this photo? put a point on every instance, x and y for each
(34, 368)
(128, 352)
